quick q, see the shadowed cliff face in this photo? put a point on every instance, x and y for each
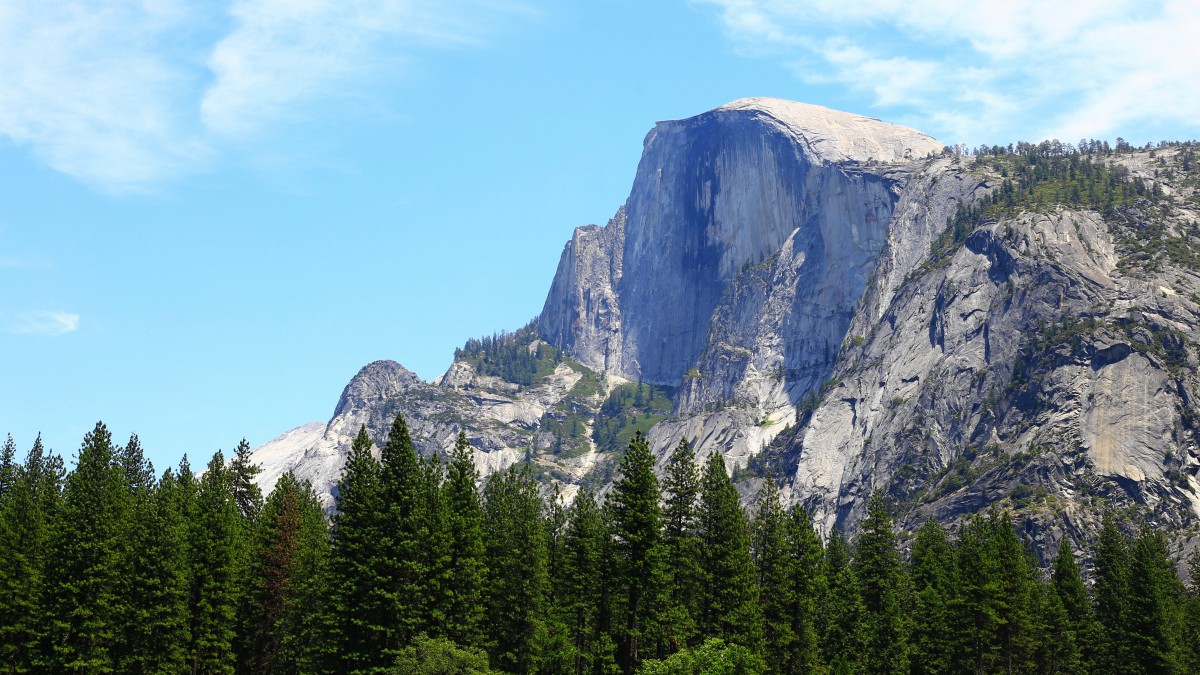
(713, 195)
(788, 274)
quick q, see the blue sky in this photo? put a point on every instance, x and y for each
(214, 213)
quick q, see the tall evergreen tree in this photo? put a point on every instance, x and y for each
(777, 576)
(246, 492)
(84, 572)
(637, 528)
(1080, 631)
(808, 557)
(581, 584)
(408, 531)
(933, 582)
(361, 604)
(843, 615)
(215, 528)
(729, 604)
(157, 630)
(681, 549)
(518, 583)
(1111, 591)
(1016, 605)
(1155, 605)
(27, 513)
(882, 583)
(285, 591)
(462, 521)
(9, 468)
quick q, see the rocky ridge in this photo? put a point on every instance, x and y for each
(840, 304)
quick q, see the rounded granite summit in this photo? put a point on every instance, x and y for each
(837, 136)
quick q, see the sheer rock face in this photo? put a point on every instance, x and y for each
(773, 266)
(713, 194)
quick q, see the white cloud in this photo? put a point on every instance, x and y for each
(989, 71)
(124, 93)
(44, 324)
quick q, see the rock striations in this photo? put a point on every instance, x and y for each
(830, 300)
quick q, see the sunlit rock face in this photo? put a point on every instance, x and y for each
(717, 193)
(781, 270)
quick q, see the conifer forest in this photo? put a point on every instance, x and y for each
(112, 568)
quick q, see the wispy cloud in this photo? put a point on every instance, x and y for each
(982, 72)
(43, 323)
(124, 93)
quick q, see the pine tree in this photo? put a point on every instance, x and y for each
(1080, 630)
(463, 524)
(408, 532)
(933, 585)
(8, 466)
(730, 601)
(27, 514)
(361, 606)
(581, 584)
(1155, 605)
(285, 591)
(1191, 626)
(518, 585)
(882, 583)
(246, 492)
(1016, 635)
(843, 615)
(776, 579)
(1114, 650)
(681, 549)
(215, 528)
(636, 520)
(85, 565)
(157, 632)
(808, 558)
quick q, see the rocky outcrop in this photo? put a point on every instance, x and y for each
(804, 286)
(713, 194)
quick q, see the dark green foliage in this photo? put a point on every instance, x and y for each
(714, 657)
(933, 583)
(27, 512)
(636, 523)
(439, 656)
(517, 595)
(246, 492)
(285, 580)
(407, 528)
(777, 578)
(580, 584)
(1114, 650)
(85, 563)
(995, 608)
(215, 534)
(842, 614)
(729, 603)
(510, 356)
(113, 571)
(462, 527)
(1075, 639)
(629, 409)
(361, 606)
(808, 560)
(8, 466)
(157, 624)
(882, 582)
(1156, 605)
(681, 548)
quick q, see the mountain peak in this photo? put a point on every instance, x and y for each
(839, 136)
